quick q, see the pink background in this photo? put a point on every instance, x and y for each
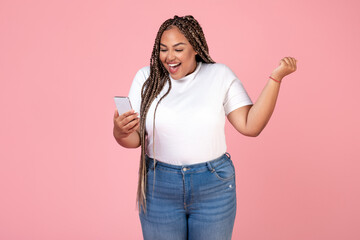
(63, 176)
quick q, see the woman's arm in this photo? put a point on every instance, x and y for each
(251, 120)
(126, 130)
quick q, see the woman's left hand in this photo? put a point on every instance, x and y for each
(287, 65)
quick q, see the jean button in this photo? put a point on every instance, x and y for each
(184, 169)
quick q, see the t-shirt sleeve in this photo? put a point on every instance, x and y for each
(135, 89)
(236, 95)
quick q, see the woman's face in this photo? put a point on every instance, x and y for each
(176, 53)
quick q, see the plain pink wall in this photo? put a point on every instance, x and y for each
(63, 176)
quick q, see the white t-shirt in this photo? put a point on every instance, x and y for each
(190, 120)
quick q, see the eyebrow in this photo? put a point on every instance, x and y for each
(180, 43)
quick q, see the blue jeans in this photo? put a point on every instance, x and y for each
(194, 202)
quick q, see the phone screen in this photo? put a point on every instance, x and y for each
(122, 104)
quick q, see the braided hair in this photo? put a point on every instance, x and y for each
(159, 76)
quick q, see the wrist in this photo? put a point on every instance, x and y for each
(274, 80)
(276, 77)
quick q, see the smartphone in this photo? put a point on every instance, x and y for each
(123, 104)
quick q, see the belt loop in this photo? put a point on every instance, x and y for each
(228, 154)
(210, 167)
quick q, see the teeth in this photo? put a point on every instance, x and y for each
(173, 65)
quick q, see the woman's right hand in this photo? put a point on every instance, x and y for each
(125, 124)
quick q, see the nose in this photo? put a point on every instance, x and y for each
(170, 56)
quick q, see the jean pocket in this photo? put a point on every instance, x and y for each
(225, 171)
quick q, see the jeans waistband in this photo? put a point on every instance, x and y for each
(210, 164)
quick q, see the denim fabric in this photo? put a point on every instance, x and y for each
(194, 202)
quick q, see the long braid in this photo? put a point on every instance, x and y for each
(159, 76)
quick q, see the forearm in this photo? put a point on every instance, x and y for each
(131, 141)
(260, 113)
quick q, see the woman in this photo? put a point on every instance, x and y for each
(186, 186)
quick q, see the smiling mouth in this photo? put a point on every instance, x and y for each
(174, 67)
